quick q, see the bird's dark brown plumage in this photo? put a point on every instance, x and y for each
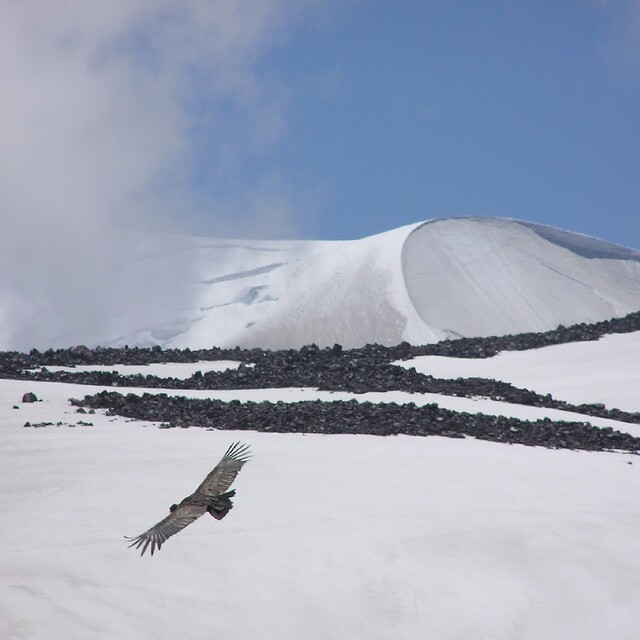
(207, 497)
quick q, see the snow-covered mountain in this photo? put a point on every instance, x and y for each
(355, 536)
(333, 536)
(420, 283)
(480, 277)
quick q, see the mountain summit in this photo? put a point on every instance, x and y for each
(445, 278)
(420, 283)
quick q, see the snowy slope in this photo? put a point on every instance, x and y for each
(331, 537)
(288, 294)
(606, 371)
(483, 276)
(419, 283)
(338, 536)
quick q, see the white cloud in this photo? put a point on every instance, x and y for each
(100, 106)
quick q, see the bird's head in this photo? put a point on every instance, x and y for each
(173, 507)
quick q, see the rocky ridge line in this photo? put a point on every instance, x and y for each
(354, 417)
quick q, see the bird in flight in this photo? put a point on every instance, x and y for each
(211, 496)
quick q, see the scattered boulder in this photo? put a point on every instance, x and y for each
(81, 351)
(29, 397)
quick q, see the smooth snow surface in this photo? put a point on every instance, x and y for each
(419, 283)
(338, 536)
(605, 371)
(282, 294)
(181, 370)
(482, 276)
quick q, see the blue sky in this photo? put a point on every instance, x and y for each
(516, 109)
(328, 120)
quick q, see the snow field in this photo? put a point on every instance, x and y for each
(331, 536)
(606, 370)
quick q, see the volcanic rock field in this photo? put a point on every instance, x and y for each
(366, 369)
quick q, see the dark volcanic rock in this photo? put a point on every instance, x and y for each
(354, 417)
(82, 352)
(489, 346)
(462, 348)
(360, 370)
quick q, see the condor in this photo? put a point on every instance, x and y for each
(212, 497)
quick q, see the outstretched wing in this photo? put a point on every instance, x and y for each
(176, 521)
(225, 472)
